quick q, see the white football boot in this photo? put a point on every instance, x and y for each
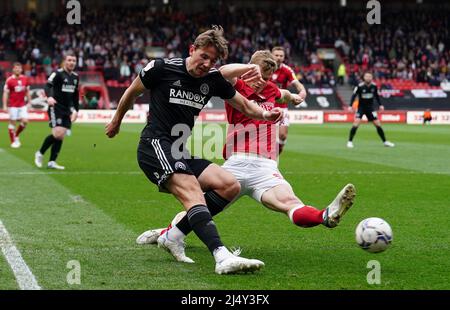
(237, 264)
(174, 247)
(388, 144)
(339, 206)
(38, 159)
(151, 236)
(16, 144)
(54, 165)
(350, 144)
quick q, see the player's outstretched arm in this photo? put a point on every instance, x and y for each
(126, 102)
(286, 95)
(300, 88)
(253, 110)
(247, 72)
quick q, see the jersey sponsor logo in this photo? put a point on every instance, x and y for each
(68, 88)
(19, 88)
(367, 96)
(204, 88)
(188, 98)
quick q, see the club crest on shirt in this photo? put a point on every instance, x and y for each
(204, 89)
(180, 166)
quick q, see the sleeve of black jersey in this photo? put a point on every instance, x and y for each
(52, 81)
(223, 88)
(376, 96)
(152, 73)
(355, 93)
(76, 98)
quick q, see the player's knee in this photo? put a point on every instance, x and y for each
(283, 136)
(188, 191)
(58, 136)
(289, 201)
(230, 188)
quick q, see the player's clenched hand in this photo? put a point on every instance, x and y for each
(112, 129)
(252, 75)
(51, 101)
(350, 108)
(302, 95)
(275, 115)
(297, 99)
(381, 108)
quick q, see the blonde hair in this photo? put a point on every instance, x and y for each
(265, 60)
(213, 37)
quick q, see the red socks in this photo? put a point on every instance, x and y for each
(12, 135)
(19, 130)
(306, 216)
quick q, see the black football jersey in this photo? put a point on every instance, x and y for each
(366, 94)
(176, 97)
(63, 86)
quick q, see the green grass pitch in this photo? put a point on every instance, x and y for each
(93, 211)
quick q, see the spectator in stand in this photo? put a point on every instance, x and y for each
(341, 73)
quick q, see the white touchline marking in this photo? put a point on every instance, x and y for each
(24, 277)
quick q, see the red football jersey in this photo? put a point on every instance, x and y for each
(17, 89)
(247, 135)
(283, 77)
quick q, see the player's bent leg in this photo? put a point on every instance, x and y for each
(215, 178)
(185, 187)
(282, 137)
(220, 187)
(281, 198)
(58, 134)
(22, 125)
(339, 206)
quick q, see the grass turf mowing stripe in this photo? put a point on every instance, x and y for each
(52, 228)
(24, 277)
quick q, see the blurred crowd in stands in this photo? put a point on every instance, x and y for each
(411, 44)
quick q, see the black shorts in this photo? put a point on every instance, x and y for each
(57, 119)
(370, 114)
(156, 159)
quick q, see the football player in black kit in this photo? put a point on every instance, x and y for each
(62, 98)
(367, 92)
(179, 89)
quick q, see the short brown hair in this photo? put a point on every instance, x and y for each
(278, 48)
(17, 64)
(69, 54)
(265, 60)
(214, 37)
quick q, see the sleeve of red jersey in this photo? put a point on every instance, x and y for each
(290, 73)
(7, 86)
(277, 93)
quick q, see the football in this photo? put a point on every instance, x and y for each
(374, 234)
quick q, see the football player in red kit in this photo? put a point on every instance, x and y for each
(14, 93)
